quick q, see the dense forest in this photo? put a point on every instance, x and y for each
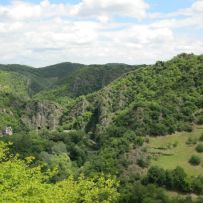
(112, 133)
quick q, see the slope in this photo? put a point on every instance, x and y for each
(67, 79)
(35, 80)
(153, 100)
(83, 80)
(13, 83)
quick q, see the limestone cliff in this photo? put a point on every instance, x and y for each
(42, 115)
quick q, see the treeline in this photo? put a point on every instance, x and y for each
(136, 192)
(176, 180)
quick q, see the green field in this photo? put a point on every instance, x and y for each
(171, 151)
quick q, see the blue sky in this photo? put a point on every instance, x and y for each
(37, 1)
(169, 5)
(43, 32)
(156, 5)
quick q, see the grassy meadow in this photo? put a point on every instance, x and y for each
(173, 150)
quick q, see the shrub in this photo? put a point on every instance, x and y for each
(199, 148)
(201, 137)
(147, 139)
(175, 144)
(200, 120)
(191, 141)
(195, 160)
(197, 185)
(188, 128)
(143, 162)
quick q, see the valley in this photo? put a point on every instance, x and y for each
(125, 133)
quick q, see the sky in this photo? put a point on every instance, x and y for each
(44, 32)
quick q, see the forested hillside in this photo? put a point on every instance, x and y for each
(66, 79)
(153, 100)
(84, 80)
(35, 81)
(103, 133)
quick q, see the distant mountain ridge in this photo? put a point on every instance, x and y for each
(76, 79)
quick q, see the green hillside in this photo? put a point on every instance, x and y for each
(13, 83)
(67, 79)
(35, 81)
(14, 89)
(84, 80)
(153, 100)
(10, 109)
(133, 133)
(59, 71)
(95, 77)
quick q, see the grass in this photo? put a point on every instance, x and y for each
(174, 194)
(171, 151)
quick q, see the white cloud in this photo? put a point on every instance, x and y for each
(102, 9)
(187, 17)
(47, 33)
(135, 8)
(20, 10)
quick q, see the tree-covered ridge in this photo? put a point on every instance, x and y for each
(152, 100)
(53, 83)
(84, 80)
(65, 79)
(35, 80)
(95, 77)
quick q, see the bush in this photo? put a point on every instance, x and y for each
(200, 120)
(175, 144)
(197, 184)
(199, 148)
(201, 137)
(143, 162)
(191, 141)
(195, 160)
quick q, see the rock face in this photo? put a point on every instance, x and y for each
(42, 115)
(6, 131)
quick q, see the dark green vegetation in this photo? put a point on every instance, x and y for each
(83, 79)
(201, 138)
(96, 119)
(154, 100)
(11, 108)
(199, 148)
(174, 180)
(65, 79)
(195, 160)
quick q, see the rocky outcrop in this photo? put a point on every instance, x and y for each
(42, 115)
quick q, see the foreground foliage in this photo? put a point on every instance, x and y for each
(19, 182)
